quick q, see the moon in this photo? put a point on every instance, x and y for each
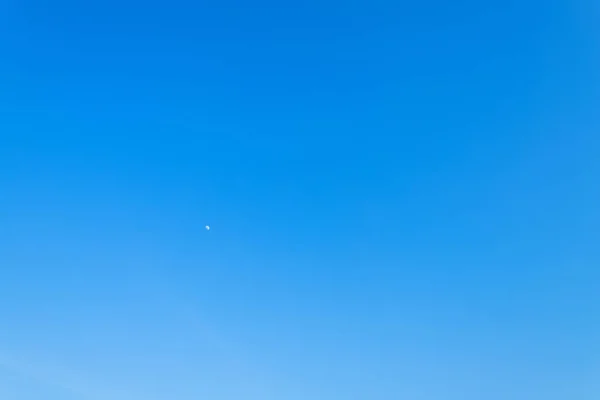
(207, 227)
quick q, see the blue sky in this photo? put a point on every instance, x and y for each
(403, 199)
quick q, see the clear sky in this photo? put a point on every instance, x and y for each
(404, 200)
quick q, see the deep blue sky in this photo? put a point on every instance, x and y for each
(404, 200)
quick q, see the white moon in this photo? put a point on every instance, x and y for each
(207, 228)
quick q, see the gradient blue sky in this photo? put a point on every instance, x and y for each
(404, 200)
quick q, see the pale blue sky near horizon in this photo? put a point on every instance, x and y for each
(403, 200)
